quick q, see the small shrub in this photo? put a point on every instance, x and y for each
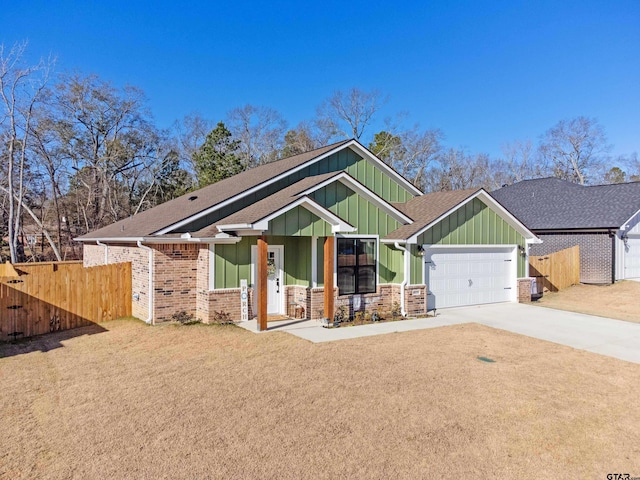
(222, 317)
(184, 318)
(341, 314)
(396, 312)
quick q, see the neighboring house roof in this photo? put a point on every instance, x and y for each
(161, 220)
(554, 204)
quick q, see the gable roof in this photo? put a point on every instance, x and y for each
(166, 217)
(184, 207)
(425, 209)
(555, 204)
(429, 209)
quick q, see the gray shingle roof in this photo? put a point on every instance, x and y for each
(150, 221)
(553, 204)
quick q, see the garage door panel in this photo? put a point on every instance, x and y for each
(467, 277)
(632, 258)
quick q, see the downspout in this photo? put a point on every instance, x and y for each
(149, 320)
(106, 251)
(405, 258)
(613, 235)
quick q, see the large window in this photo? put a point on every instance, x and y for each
(356, 265)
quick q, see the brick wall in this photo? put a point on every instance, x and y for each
(225, 302)
(297, 296)
(595, 253)
(175, 272)
(524, 290)
(415, 300)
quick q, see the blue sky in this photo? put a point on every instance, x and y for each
(486, 73)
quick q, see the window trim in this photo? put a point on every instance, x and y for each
(376, 238)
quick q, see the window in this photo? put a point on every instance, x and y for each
(356, 265)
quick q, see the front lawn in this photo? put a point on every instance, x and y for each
(134, 401)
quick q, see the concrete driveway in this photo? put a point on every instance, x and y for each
(614, 338)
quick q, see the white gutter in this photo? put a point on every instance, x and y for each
(106, 251)
(149, 320)
(405, 258)
(228, 239)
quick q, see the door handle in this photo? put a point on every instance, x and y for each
(277, 285)
(470, 282)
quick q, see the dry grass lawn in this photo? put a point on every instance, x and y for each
(620, 300)
(220, 402)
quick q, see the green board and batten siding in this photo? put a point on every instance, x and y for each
(369, 220)
(299, 222)
(233, 262)
(472, 224)
(362, 170)
(294, 228)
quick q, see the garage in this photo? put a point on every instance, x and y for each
(632, 258)
(470, 275)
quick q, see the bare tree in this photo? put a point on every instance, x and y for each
(410, 152)
(574, 148)
(260, 131)
(522, 163)
(191, 133)
(348, 114)
(21, 89)
(299, 140)
(455, 170)
(107, 137)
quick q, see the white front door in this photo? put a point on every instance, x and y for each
(470, 276)
(275, 284)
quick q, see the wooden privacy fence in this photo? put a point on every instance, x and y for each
(45, 297)
(557, 270)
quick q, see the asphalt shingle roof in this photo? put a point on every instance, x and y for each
(552, 204)
(150, 221)
(427, 208)
(262, 208)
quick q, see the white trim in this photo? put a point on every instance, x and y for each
(212, 267)
(354, 145)
(626, 224)
(470, 245)
(335, 256)
(488, 200)
(314, 262)
(353, 184)
(226, 239)
(357, 147)
(337, 224)
(405, 277)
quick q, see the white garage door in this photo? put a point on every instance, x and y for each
(632, 258)
(470, 276)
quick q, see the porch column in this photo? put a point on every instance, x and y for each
(328, 278)
(261, 282)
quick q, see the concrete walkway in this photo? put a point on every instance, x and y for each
(614, 338)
